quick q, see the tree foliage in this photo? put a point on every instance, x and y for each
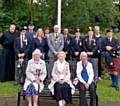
(81, 13)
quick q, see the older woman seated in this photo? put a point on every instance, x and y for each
(61, 86)
(85, 77)
(35, 75)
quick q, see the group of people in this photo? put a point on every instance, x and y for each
(61, 86)
(29, 49)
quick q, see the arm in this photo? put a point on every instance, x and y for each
(44, 72)
(16, 48)
(62, 43)
(29, 75)
(91, 74)
(54, 74)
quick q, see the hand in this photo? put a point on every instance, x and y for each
(61, 81)
(19, 55)
(108, 48)
(37, 81)
(76, 53)
(23, 54)
(87, 86)
(90, 53)
(66, 52)
(55, 53)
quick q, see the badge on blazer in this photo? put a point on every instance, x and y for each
(68, 42)
(25, 40)
(80, 43)
(94, 42)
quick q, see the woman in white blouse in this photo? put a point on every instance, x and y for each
(61, 86)
(85, 75)
(35, 75)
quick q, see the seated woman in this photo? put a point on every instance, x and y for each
(61, 86)
(35, 75)
(85, 77)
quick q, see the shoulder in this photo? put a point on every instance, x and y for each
(79, 62)
(89, 64)
(66, 63)
(42, 61)
(31, 61)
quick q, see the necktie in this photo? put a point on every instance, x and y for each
(21, 41)
(56, 35)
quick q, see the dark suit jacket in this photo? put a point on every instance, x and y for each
(77, 47)
(90, 47)
(36, 44)
(67, 44)
(18, 49)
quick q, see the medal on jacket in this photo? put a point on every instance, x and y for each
(80, 43)
(94, 42)
(68, 42)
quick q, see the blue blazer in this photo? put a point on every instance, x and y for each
(36, 44)
(24, 49)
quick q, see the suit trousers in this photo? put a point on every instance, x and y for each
(83, 99)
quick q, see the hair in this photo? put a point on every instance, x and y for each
(56, 26)
(36, 51)
(83, 54)
(61, 52)
(40, 33)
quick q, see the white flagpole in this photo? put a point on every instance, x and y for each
(59, 15)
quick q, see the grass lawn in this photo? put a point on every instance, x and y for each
(105, 93)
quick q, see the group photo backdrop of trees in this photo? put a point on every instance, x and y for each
(83, 13)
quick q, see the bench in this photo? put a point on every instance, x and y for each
(47, 95)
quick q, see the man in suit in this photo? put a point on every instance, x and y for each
(77, 45)
(67, 43)
(56, 44)
(21, 47)
(100, 43)
(91, 47)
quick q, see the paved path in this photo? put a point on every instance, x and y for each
(12, 101)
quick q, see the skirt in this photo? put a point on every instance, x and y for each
(116, 67)
(30, 91)
(62, 91)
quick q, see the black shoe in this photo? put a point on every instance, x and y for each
(111, 86)
(117, 88)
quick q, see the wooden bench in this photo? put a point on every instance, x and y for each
(47, 95)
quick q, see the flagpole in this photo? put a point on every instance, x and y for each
(59, 15)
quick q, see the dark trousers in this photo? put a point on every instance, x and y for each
(83, 99)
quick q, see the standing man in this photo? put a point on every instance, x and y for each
(46, 36)
(21, 47)
(67, 43)
(31, 33)
(100, 43)
(77, 45)
(90, 47)
(8, 63)
(111, 58)
(56, 44)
